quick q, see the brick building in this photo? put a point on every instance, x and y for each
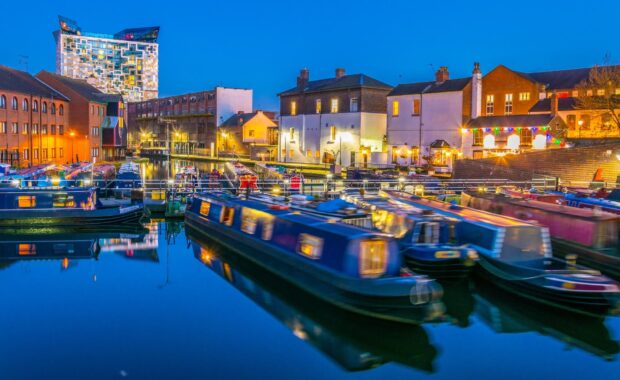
(188, 121)
(340, 119)
(33, 120)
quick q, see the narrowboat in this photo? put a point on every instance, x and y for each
(353, 341)
(581, 200)
(239, 176)
(426, 239)
(348, 266)
(516, 256)
(186, 179)
(62, 207)
(589, 233)
(128, 176)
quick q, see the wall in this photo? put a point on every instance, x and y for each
(501, 81)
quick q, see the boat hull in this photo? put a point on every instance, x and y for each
(606, 261)
(407, 303)
(456, 268)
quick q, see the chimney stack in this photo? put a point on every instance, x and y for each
(442, 74)
(554, 103)
(339, 72)
(476, 91)
(303, 78)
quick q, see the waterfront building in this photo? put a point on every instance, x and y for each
(254, 135)
(89, 120)
(424, 120)
(188, 121)
(123, 63)
(339, 120)
(33, 120)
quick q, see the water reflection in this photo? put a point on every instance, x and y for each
(137, 246)
(353, 341)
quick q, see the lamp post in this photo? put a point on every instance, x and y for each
(72, 134)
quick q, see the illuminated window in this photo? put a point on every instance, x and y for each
(600, 92)
(584, 122)
(310, 246)
(24, 249)
(291, 153)
(309, 153)
(526, 136)
(267, 229)
(204, 208)
(508, 104)
(25, 129)
(317, 154)
(26, 201)
(416, 106)
(589, 93)
(2, 127)
(62, 199)
(540, 142)
(490, 104)
(395, 106)
(488, 142)
(227, 216)
(513, 142)
(248, 221)
(575, 93)
(354, 105)
(35, 129)
(477, 134)
(317, 106)
(373, 258)
(523, 96)
(332, 133)
(14, 128)
(334, 105)
(293, 108)
(571, 121)
(617, 91)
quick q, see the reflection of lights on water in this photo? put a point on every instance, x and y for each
(298, 331)
(65, 263)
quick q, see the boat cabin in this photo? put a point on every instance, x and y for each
(14, 199)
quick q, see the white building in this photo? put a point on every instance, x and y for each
(339, 120)
(428, 115)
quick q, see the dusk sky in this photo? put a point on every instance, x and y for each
(263, 44)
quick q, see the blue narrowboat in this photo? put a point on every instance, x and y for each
(516, 256)
(353, 341)
(62, 207)
(128, 176)
(584, 201)
(427, 240)
(351, 267)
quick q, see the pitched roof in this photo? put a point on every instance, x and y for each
(84, 89)
(564, 104)
(437, 144)
(430, 87)
(344, 82)
(510, 121)
(22, 82)
(238, 120)
(560, 79)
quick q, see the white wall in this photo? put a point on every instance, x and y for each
(230, 101)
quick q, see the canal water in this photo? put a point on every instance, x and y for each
(165, 304)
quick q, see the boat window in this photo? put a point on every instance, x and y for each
(397, 225)
(477, 235)
(249, 221)
(267, 229)
(26, 201)
(204, 208)
(24, 249)
(310, 246)
(428, 233)
(523, 243)
(227, 215)
(63, 200)
(373, 258)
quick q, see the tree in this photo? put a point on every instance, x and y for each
(600, 94)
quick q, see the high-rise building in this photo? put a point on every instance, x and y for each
(122, 63)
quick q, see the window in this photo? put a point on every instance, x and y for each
(600, 92)
(95, 152)
(309, 153)
(291, 153)
(334, 105)
(524, 96)
(92, 110)
(477, 137)
(488, 142)
(513, 142)
(25, 249)
(63, 200)
(317, 154)
(251, 133)
(26, 201)
(227, 216)
(35, 153)
(204, 208)
(249, 221)
(332, 133)
(25, 104)
(354, 105)
(317, 106)
(571, 121)
(584, 122)
(35, 106)
(2, 101)
(2, 127)
(26, 154)
(25, 129)
(44, 107)
(373, 258)
(52, 129)
(293, 108)
(490, 104)
(61, 110)
(310, 246)
(53, 109)
(540, 142)
(14, 103)
(416, 106)
(44, 129)
(395, 106)
(14, 128)
(61, 152)
(508, 104)
(53, 152)
(575, 93)
(526, 137)
(61, 129)
(95, 131)
(44, 153)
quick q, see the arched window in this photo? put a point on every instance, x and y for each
(25, 104)
(61, 110)
(488, 142)
(513, 142)
(14, 103)
(44, 107)
(35, 106)
(2, 101)
(53, 109)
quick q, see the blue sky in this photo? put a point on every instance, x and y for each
(263, 44)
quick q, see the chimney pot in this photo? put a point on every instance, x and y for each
(302, 79)
(339, 72)
(476, 68)
(442, 74)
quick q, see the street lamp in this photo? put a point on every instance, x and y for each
(72, 134)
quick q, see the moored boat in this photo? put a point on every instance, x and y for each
(345, 265)
(516, 256)
(129, 176)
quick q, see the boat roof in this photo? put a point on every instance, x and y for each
(16, 190)
(460, 211)
(411, 211)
